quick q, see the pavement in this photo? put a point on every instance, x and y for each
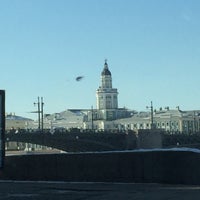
(21, 190)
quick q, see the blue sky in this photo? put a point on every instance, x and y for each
(152, 48)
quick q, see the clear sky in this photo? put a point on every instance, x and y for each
(152, 48)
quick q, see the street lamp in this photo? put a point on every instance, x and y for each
(42, 113)
(151, 107)
(40, 105)
(38, 111)
(92, 118)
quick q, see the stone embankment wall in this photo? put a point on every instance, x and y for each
(174, 167)
(149, 139)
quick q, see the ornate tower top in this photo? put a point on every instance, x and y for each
(106, 71)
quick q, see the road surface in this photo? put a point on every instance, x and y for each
(19, 190)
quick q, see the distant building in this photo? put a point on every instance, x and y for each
(100, 118)
(172, 121)
(107, 97)
(107, 105)
(107, 114)
(17, 122)
(72, 118)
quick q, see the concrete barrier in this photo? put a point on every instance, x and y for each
(173, 167)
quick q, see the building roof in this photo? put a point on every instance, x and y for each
(69, 115)
(15, 117)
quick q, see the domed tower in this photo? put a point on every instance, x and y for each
(106, 78)
(107, 97)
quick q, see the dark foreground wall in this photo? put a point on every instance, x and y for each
(156, 166)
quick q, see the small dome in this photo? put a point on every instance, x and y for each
(106, 71)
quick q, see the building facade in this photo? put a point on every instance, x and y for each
(108, 116)
(169, 120)
(107, 97)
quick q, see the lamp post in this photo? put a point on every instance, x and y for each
(92, 119)
(38, 111)
(151, 107)
(42, 114)
(40, 105)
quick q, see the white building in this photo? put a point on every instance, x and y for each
(170, 120)
(107, 97)
(107, 115)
